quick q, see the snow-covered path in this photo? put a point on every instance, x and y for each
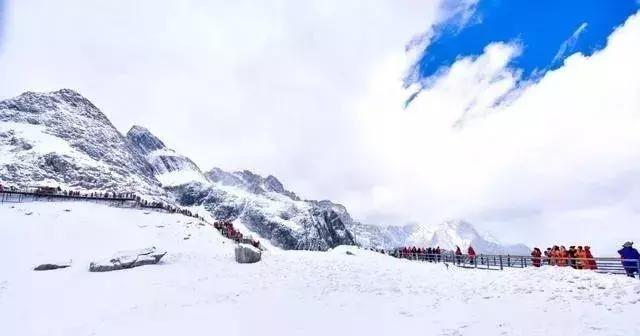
(200, 290)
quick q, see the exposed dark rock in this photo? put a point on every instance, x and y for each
(52, 266)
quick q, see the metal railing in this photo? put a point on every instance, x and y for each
(499, 262)
(25, 196)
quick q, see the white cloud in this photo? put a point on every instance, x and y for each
(560, 161)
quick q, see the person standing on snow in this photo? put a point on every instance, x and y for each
(571, 254)
(581, 258)
(536, 254)
(563, 255)
(472, 254)
(630, 258)
(590, 262)
(458, 255)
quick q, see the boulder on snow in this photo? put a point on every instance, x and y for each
(128, 259)
(51, 266)
(247, 254)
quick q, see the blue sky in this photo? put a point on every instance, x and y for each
(547, 31)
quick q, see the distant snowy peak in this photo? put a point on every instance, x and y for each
(447, 235)
(169, 167)
(250, 182)
(458, 233)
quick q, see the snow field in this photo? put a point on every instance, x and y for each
(198, 289)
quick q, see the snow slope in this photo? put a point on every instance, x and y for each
(200, 290)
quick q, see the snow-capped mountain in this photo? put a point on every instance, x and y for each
(261, 204)
(447, 235)
(280, 217)
(61, 138)
(249, 181)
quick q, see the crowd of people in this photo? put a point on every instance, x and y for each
(575, 257)
(226, 229)
(433, 254)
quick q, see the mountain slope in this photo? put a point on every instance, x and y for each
(61, 138)
(262, 204)
(287, 222)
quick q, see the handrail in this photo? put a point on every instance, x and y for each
(57, 195)
(497, 261)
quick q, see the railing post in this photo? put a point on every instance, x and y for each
(501, 263)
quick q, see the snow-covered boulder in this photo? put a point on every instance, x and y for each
(247, 254)
(51, 266)
(128, 259)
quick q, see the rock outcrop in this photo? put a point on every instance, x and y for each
(247, 254)
(128, 259)
(51, 266)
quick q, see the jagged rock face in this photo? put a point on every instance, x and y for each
(144, 140)
(249, 181)
(61, 138)
(169, 167)
(285, 222)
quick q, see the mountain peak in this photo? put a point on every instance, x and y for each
(142, 138)
(67, 92)
(31, 103)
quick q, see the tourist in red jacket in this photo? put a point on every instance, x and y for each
(590, 263)
(536, 254)
(472, 254)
